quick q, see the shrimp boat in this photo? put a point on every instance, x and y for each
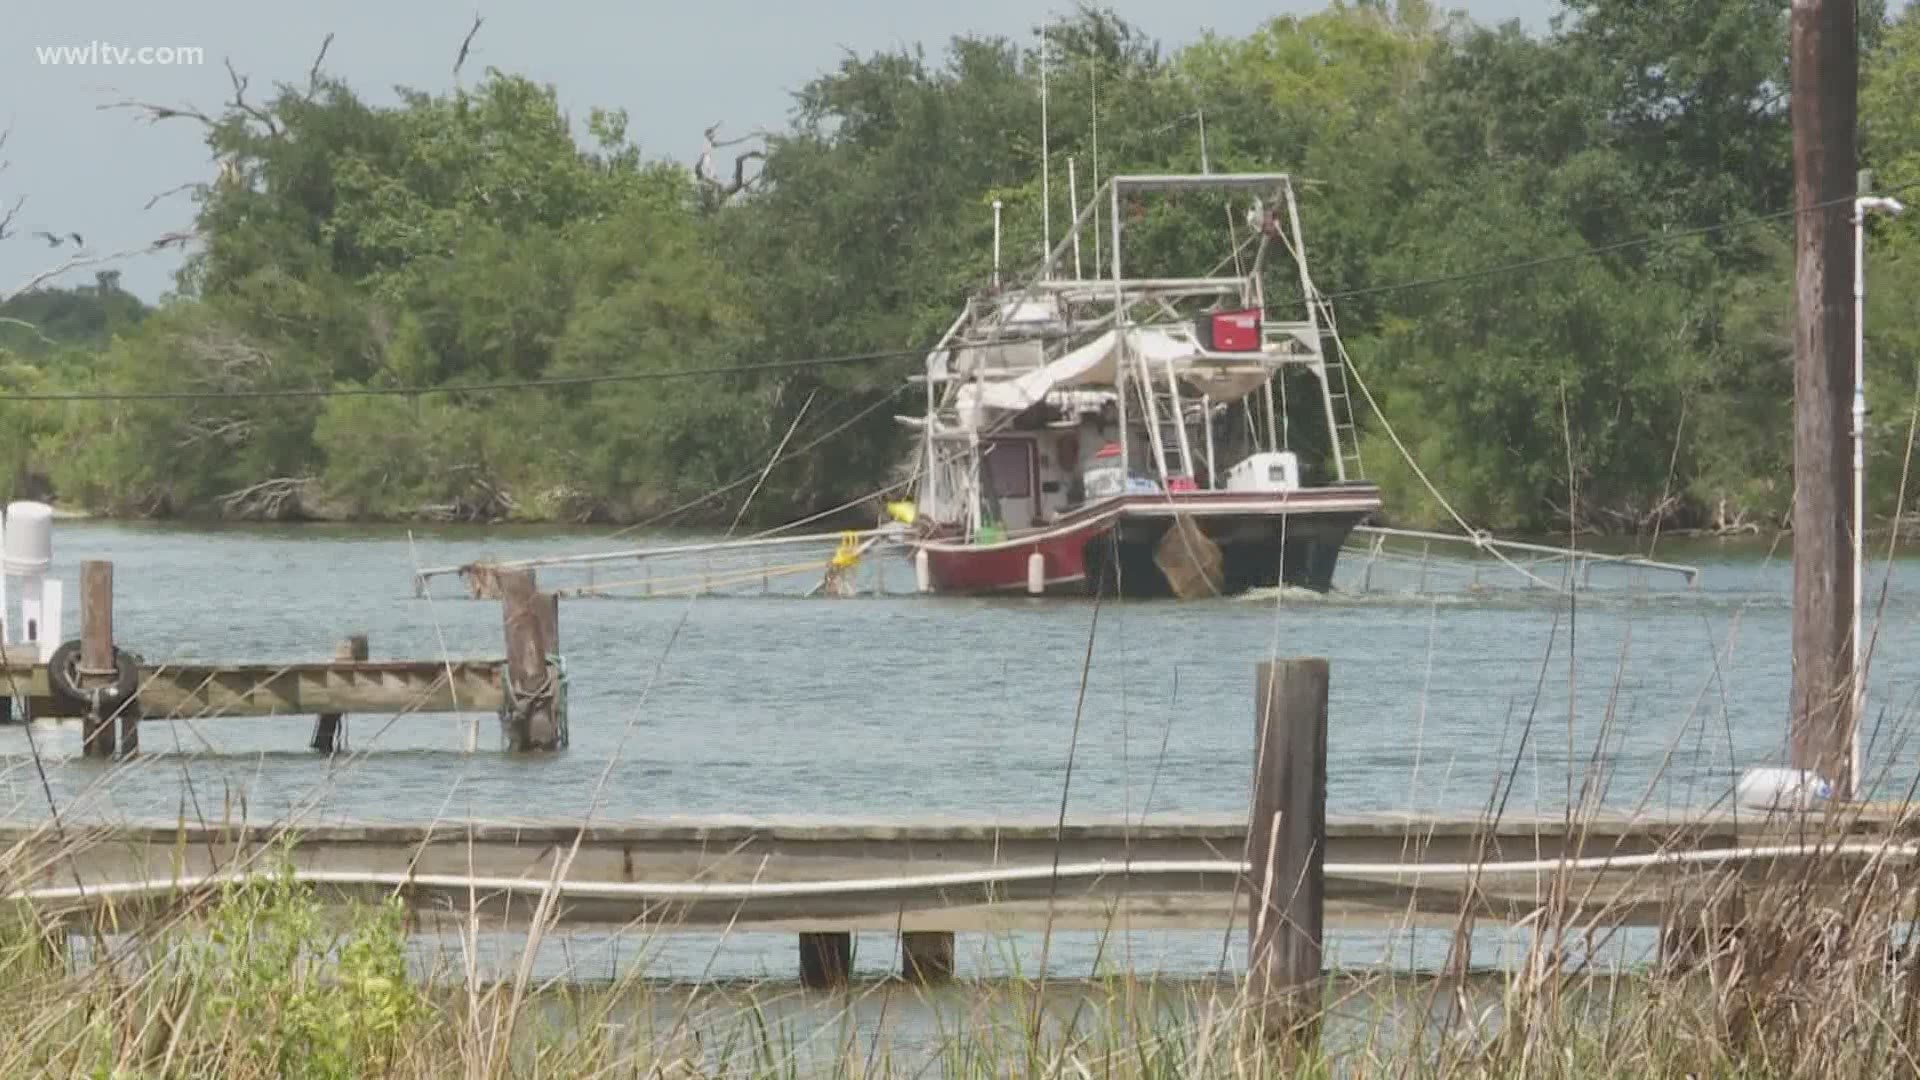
(1140, 435)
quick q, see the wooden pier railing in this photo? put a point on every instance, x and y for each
(112, 691)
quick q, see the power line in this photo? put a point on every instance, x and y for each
(747, 478)
(460, 388)
(1645, 240)
(562, 382)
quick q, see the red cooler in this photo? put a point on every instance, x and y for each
(1229, 331)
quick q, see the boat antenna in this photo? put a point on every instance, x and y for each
(1201, 112)
(1093, 78)
(1073, 197)
(1046, 161)
(996, 243)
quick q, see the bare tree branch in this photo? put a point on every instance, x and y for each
(228, 430)
(740, 169)
(466, 43)
(703, 168)
(170, 193)
(313, 73)
(7, 320)
(156, 113)
(713, 144)
(240, 84)
(268, 498)
(76, 262)
(6, 219)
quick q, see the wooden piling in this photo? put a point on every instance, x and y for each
(97, 666)
(326, 732)
(1702, 924)
(1460, 950)
(1824, 76)
(926, 956)
(547, 607)
(826, 959)
(129, 722)
(1286, 841)
(532, 721)
(1710, 921)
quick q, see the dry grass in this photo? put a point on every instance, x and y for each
(1767, 973)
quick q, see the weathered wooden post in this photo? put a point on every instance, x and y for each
(547, 607)
(97, 667)
(532, 698)
(1701, 920)
(826, 959)
(1460, 950)
(926, 955)
(1824, 75)
(1287, 847)
(1708, 918)
(326, 733)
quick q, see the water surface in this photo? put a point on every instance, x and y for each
(898, 706)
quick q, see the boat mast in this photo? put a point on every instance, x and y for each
(1073, 196)
(996, 245)
(1046, 160)
(1093, 80)
(1119, 320)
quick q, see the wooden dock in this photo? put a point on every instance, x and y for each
(636, 873)
(112, 690)
(172, 691)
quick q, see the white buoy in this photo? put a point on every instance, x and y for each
(922, 571)
(1036, 574)
(26, 544)
(26, 556)
(1782, 789)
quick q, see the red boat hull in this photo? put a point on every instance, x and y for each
(1267, 539)
(1003, 567)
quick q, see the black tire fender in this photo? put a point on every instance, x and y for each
(63, 676)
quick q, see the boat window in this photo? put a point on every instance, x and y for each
(1010, 468)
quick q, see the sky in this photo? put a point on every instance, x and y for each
(85, 167)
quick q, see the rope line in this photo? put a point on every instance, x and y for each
(1479, 537)
(750, 890)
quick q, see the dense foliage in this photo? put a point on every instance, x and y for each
(472, 236)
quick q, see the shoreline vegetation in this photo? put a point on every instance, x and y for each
(1559, 260)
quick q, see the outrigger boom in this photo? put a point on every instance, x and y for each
(422, 578)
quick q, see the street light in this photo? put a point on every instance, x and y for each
(1861, 207)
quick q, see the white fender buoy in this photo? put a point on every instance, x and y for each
(26, 556)
(922, 571)
(1036, 574)
(26, 545)
(1782, 789)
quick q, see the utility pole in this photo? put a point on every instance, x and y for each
(1825, 89)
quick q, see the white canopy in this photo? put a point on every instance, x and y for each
(1221, 376)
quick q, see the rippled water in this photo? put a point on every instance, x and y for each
(901, 706)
